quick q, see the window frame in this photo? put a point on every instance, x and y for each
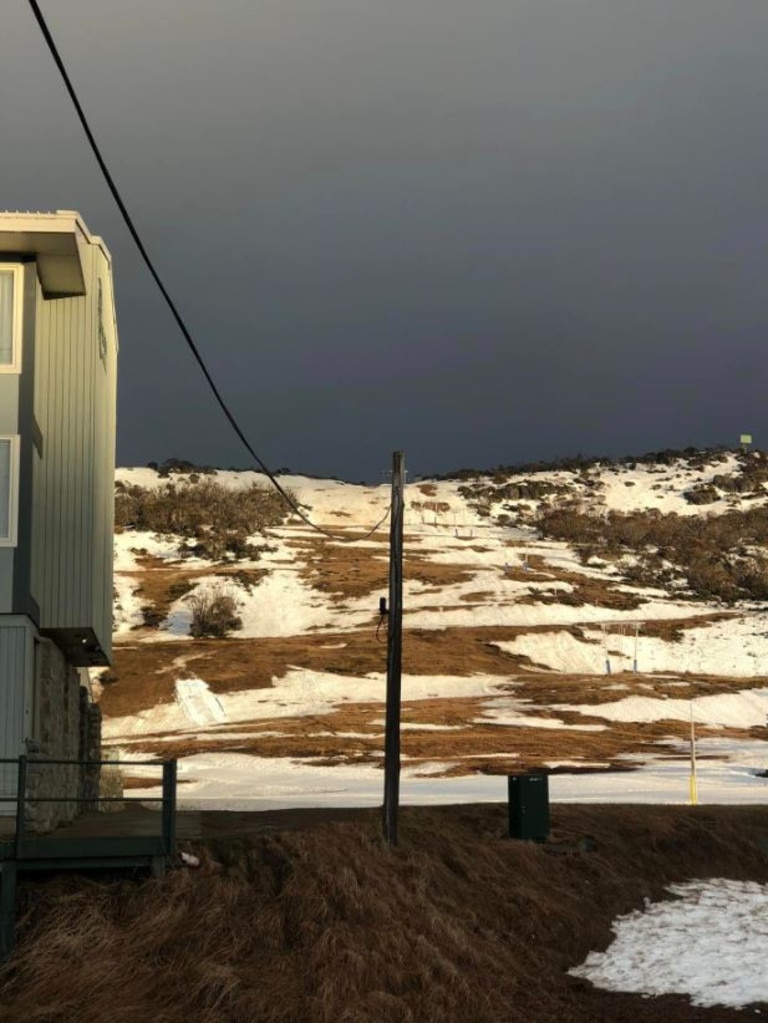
(17, 272)
(12, 539)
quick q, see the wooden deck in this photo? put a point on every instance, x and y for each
(134, 820)
(96, 841)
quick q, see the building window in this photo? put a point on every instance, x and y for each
(9, 490)
(10, 318)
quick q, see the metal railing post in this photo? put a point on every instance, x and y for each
(169, 806)
(21, 803)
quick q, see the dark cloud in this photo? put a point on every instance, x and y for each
(484, 232)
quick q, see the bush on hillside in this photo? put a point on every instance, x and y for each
(693, 457)
(214, 613)
(217, 521)
(716, 556)
(180, 467)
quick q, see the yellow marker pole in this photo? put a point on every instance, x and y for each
(694, 793)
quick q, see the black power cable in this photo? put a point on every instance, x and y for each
(164, 292)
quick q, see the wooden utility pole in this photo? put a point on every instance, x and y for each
(394, 653)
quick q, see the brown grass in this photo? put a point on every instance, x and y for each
(479, 597)
(586, 589)
(470, 741)
(672, 629)
(159, 582)
(345, 572)
(129, 781)
(471, 744)
(145, 672)
(324, 924)
(432, 573)
(436, 507)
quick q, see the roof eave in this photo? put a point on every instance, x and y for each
(55, 241)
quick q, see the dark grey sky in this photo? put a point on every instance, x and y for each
(483, 232)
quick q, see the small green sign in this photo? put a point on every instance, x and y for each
(746, 438)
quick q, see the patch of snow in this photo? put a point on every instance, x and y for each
(581, 764)
(179, 621)
(510, 712)
(283, 604)
(196, 700)
(303, 692)
(744, 709)
(237, 781)
(710, 943)
(735, 646)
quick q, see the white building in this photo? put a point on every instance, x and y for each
(58, 361)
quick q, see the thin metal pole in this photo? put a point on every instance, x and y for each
(21, 800)
(694, 793)
(394, 654)
(169, 807)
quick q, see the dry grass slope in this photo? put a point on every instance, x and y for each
(347, 572)
(324, 924)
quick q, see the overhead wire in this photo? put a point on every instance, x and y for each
(167, 297)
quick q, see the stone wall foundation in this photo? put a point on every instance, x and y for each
(68, 727)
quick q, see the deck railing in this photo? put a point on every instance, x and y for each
(23, 800)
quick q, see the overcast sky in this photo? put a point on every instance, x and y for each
(482, 232)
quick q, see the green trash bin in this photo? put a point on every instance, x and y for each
(529, 807)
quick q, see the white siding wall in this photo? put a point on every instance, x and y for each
(75, 370)
(104, 428)
(9, 424)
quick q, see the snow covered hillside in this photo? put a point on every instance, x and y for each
(575, 618)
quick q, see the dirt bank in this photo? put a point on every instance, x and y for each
(306, 917)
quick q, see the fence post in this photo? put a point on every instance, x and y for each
(21, 803)
(169, 806)
(394, 655)
(7, 908)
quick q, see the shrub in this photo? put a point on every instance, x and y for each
(180, 466)
(718, 557)
(214, 613)
(579, 463)
(151, 616)
(218, 519)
